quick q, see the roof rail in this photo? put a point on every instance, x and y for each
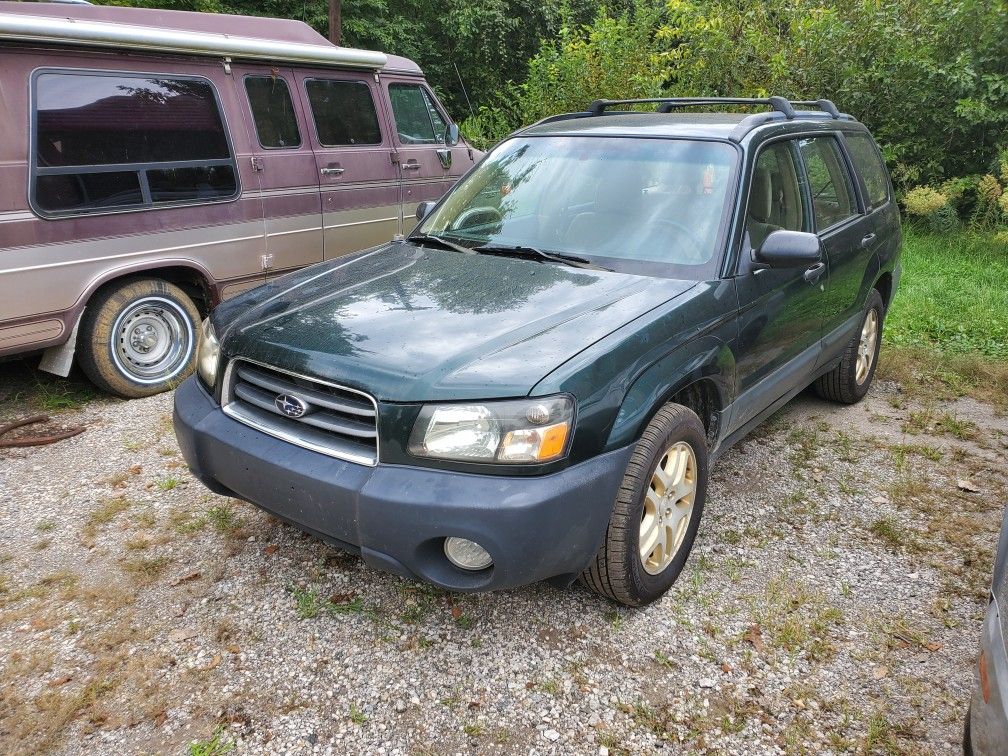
(668, 104)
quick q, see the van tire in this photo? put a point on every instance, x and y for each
(841, 383)
(139, 338)
(618, 571)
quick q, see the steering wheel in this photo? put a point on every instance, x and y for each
(480, 214)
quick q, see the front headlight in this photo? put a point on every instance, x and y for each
(209, 354)
(520, 431)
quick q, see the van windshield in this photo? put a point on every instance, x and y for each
(651, 206)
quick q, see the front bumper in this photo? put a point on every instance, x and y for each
(988, 720)
(397, 517)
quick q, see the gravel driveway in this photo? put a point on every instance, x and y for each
(832, 603)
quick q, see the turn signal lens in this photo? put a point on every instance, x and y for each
(534, 444)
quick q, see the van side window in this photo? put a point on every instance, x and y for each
(417, 119)
(832, 191)
(775, 198)
(112, 141)
(344, 112)
(869, 164)
(273, 111)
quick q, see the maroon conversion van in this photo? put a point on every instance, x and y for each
(153, 163)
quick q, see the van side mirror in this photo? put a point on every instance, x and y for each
(423, 209)
(789, 249)
(451, 137)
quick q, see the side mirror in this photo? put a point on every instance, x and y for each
(423, 209)
(789, 249)
(451, 137)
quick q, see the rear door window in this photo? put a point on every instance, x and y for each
(106, 142)
(868, 162)
(833, 198)
(418, 120)
(344, 112)
(273, 112)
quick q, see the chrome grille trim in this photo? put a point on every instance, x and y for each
(247, 395)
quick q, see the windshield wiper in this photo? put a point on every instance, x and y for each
(438, 241)
(520, 250)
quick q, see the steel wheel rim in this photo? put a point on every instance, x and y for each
(152, 340)
(866, 346)
(668, 507)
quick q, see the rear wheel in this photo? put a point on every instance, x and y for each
(657, 511)
(849, 381)
(140, 338)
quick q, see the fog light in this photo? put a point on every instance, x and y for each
(466, 554)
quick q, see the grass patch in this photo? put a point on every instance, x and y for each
(223, 518)
(145, 569)
(952, 295)
(215, 745)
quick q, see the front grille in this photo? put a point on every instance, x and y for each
(337, 421)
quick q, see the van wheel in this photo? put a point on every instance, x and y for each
(140, 338)
(657, 512)
(849, 381)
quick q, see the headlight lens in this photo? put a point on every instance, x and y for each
(209, 354)
(519, 431)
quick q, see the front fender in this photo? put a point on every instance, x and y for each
(707, 358)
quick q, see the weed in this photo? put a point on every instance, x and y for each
(168, 484)
(223, 518)
(357, 716)
(473, 729)
(215, 745)
(888, 530)
(307, 602)
(46, 525)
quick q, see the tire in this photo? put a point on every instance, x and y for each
(841, 384)
(139, 338)
(618, 571)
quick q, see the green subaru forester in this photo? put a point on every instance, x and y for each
(534, 383)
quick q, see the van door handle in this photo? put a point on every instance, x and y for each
(867, 239)
(412, 165)
(815, 272)
(331, 171)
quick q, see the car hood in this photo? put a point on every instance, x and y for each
(409, 323)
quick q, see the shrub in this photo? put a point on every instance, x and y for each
(924, 201)
(988, 212)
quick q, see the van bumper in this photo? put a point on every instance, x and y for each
(397, 517)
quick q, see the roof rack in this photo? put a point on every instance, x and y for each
(668, 104)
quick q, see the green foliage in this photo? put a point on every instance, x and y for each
(928, 77)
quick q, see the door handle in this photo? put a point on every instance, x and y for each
(412, 165)
(867, 239)
(331, 171)
(814, 273)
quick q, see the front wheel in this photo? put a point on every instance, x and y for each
(657, 511)
(140, 338)
(849, 381)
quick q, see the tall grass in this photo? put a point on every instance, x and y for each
(953, 297)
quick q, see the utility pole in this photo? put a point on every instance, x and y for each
(335, 29)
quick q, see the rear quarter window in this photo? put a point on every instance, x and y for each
(868, 163)
(111, 141)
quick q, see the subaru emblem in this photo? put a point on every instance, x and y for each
(290, 406)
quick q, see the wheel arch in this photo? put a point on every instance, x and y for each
(191, 277)
(884, 286)
(701, 379)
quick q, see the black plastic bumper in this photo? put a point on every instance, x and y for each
(397, 517)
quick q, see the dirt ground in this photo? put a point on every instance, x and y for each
(832, 604)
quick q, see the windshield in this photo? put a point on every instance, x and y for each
(652, 206)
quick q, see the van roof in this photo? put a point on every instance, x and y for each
(210, 34)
